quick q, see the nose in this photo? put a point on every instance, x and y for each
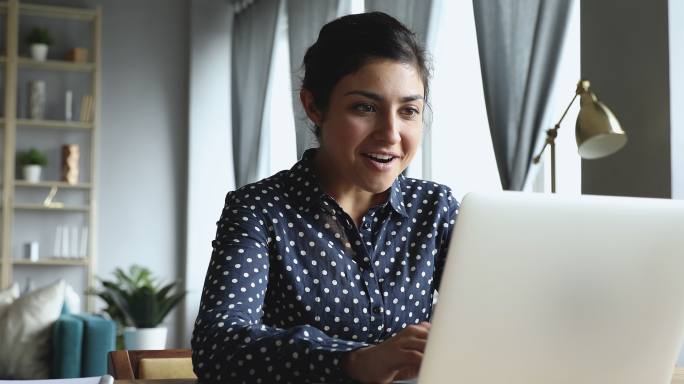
(388, 129)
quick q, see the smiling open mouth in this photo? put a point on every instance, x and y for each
(384, 159)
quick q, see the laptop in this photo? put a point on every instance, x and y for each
(541, 289)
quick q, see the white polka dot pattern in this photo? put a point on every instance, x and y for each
(293, 284)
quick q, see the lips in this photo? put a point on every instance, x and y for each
(382, 158)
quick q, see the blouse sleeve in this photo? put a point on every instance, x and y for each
(450, 211)
(230, 343)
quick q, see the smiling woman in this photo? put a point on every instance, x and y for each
(369, 132)
(326, 272)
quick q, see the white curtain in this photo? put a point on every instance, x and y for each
(254, 29)
(305, 19)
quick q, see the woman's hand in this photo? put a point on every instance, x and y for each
(396, 358)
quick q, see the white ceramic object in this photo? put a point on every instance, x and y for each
(144, 338)
(32, 173)
(37, 99)
(39, 52)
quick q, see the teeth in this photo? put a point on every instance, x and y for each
(380, 157)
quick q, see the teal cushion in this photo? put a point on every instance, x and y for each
(99, 338)
(67, 340)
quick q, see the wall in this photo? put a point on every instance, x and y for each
(143, 139)
(210, 157)
(676, 39)
(625, 56)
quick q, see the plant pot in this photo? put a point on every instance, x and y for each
(39, 51)
(32, 173)
(144, 338)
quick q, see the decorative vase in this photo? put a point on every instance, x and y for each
(32, 173)
(144, 338)
(39, 51)
(70, 155)
(37, 99)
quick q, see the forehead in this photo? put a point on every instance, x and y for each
(385, 77)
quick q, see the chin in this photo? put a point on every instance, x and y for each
(379, 186)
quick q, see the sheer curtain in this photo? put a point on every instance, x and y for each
(519, 44)
(254, 28)
(305, 19)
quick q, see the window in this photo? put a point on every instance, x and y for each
(568, 162)
(279, 137)
(462, 154)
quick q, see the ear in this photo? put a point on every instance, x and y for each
(307, 99)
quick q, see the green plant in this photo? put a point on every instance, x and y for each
(32, 157)
(39, 36)
(136, 299)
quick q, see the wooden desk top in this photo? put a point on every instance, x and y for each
(677, 378)
(165, 381)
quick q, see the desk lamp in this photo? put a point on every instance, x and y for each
(597, 131)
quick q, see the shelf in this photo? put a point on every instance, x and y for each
(57, 12)
(39, 207)
(53, 124)
(51, 262)
(58, 65)
(50, 184)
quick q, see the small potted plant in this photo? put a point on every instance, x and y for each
(39, 40)
(32, 163)
(139, 304)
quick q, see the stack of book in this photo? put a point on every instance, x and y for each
(87, 108)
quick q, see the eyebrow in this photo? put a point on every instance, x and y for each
(375, 96)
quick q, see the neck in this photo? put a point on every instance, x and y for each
(352, 199)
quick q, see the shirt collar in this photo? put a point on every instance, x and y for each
(305, 188)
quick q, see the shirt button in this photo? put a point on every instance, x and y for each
(377, 310)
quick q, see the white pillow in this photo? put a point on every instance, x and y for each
(71, 299)
(10, 294)
(25, 330)
(7, 297)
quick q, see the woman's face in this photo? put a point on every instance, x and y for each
(373, 125)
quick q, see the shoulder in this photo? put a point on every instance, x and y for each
(427, 191)
(258, 193)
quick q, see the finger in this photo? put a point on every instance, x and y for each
(408, 358)
(415, 331)
(407, 373)
(413, 343)
(425, 324)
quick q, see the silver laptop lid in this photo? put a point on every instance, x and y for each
(550, 289)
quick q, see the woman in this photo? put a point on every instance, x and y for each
(326, 272)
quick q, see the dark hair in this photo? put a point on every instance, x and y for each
(346, 44)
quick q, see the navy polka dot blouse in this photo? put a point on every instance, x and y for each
(293, 284)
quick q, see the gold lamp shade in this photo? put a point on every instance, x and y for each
(598, 131)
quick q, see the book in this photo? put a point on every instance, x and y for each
(87, 106)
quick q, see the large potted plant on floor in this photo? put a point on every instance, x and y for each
(139, 304)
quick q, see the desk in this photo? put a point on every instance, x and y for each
(165, 381)
(677, 378)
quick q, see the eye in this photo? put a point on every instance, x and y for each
(410, 112)
(364, 107)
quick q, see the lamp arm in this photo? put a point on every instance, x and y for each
(553, 132)
(566, 110)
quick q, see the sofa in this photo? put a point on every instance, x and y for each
(80, 344)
